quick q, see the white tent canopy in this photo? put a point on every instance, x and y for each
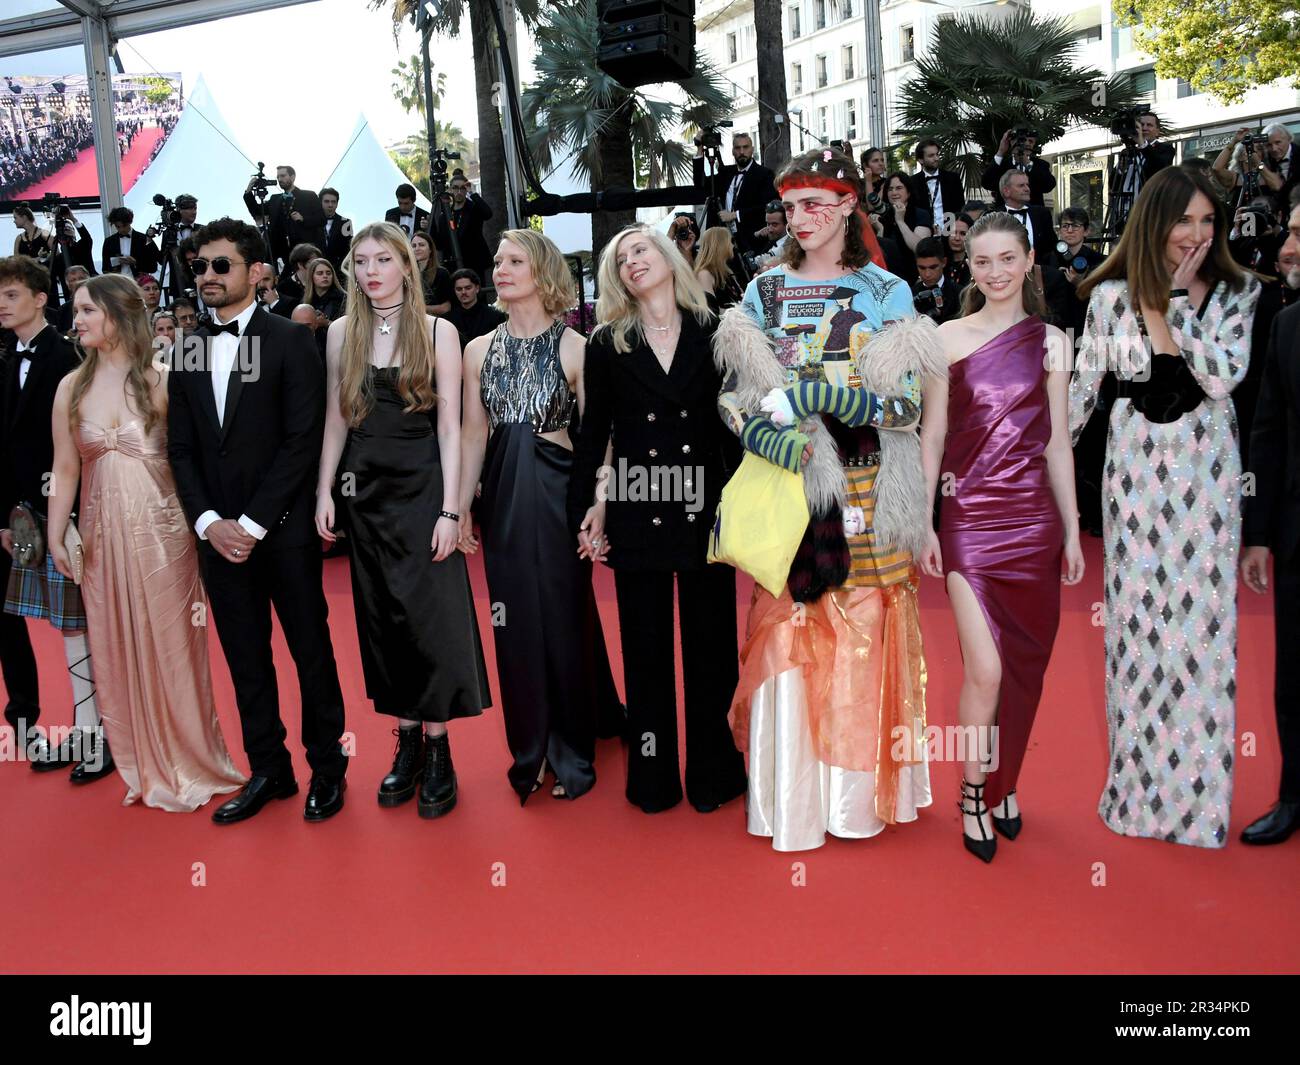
(202, 157)
(366, 177)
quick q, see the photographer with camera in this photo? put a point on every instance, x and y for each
(943, 187)
(71, 245)
(684, 232)
(1255, 236)
(1018, 150)
(776, 232)
(1142, 156)
(1260, 162)
(293, 217)
(127, 250)
(176, 224)
(737, 192)
(933, 293)
(464, 212)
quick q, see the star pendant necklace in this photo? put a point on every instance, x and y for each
(385, 328)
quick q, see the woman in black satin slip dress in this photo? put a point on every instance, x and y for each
(520, 390)
(394, 399)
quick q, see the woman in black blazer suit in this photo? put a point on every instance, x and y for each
(649, 466)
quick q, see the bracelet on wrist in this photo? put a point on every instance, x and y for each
(1178, 292)
(448, 514)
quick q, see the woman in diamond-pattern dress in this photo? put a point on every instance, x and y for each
(1171, 507)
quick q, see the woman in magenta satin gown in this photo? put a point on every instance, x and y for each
(995, 438)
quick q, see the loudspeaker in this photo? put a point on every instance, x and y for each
(643, 42)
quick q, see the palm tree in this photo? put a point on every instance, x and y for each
(982, 77)
(774, 136)
(408, 86)
(576, 111)
(483, 38)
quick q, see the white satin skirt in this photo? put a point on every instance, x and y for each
(796, 799)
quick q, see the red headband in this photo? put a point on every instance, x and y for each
(844, 188)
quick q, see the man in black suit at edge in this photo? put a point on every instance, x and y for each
(338, 230)
(245, 422)
(942, 187)
(126, 250)
(744, 190)
(1273, 524)
(1014, 188)
(406, 214)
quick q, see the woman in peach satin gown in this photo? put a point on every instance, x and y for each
(144, 601)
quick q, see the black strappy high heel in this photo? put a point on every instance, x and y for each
(1008, 826)
(986, 846)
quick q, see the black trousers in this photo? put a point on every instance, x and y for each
(17, 660)
(1286, 676)
(715, 770)
(242, 595)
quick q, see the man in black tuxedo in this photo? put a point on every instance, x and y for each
(1023, 158)
(1272, 523)
(338, 230)
(294, 216)
(744, 190)
(406, 214)
(245, 423)
(943, 188)
(269, 296)
(37, 359)
(1158, 153)
(174, 242)
(1281, 172)
(466, 211)
(126, 250)
(1014, 189)
(73, 278)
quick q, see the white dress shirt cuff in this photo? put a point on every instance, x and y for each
(251, 527)
(998, 159)
(205, 519)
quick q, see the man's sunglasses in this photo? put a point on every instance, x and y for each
(220, 265)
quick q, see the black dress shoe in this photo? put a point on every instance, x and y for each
(46, 760)
(253, 796)
(1275, 826)
(408, 764)
(438, 781)
(99, 764)
(324, 797)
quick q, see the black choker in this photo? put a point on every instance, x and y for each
(373, 307)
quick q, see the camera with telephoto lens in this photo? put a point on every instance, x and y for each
(711, 136)
(1249, 140)
(928, 301)
(1125, 125)
(169, 215)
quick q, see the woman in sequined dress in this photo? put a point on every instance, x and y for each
(521, 386)
(1170, 315)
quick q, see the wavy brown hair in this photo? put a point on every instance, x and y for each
(813, 167)
(972, 299)
(122, 302)
(1139, 258)
(416, 376)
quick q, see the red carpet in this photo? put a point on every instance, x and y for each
(80, 177)
(597, 885)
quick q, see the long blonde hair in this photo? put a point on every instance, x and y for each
(416, 376)
(714, 255)
(618, 312)
(122, 302)
(551, 275)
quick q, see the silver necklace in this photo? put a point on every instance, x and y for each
(394, 309)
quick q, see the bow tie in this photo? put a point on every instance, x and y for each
(932, 177)
(1021, 211)
(231, 327)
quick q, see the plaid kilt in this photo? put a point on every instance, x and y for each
(46, 593)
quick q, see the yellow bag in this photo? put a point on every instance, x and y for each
(761, 519)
